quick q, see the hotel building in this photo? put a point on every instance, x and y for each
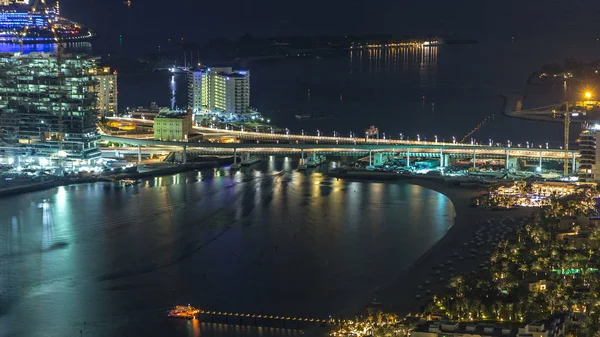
(219, 90)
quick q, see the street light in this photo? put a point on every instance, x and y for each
(418, 138)
(588, 95)
(435, 138)
(453, 140)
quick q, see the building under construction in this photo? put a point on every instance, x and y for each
(48, 105)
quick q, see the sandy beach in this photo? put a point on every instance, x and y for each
(400, 294)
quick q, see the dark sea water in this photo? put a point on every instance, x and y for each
(110, 260)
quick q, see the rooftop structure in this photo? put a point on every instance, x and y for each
(47, 106)
(219, 90)
(148, 113)
(554, 326)
(443, 328)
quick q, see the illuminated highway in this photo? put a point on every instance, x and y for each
(277, 142)
(403, 148)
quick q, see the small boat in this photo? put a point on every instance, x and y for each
(235, 166)
(302, 167)
(249, 161)
(183, 311)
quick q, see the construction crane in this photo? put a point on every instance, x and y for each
(561, 112)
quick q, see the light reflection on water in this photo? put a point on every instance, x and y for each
(265, 239)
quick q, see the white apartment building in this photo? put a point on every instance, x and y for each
(219, 90)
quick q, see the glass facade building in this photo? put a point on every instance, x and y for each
(48, 105)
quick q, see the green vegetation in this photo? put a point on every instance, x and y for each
(546, 266)
(375, 324)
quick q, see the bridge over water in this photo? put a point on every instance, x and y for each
(405, 149)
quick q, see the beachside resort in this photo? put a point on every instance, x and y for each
(540, 279)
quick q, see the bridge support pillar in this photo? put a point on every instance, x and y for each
(302, 154)
(442, 164)
(540, 169)
(184, 154)
(407, 157)
(139, 154)
(370, 158)
(574, 169)
(446, 160)
(235, 155)
(507, 161)
(474, 159)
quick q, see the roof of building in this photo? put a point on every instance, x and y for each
(235, 74)
(172, 114)
(477, 328)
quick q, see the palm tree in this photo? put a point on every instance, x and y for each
(536, 267)
(523, 268)
(391, 318)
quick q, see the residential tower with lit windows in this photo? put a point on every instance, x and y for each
(106, 91)
(589, 170)
(48, 106)
(219, 90)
